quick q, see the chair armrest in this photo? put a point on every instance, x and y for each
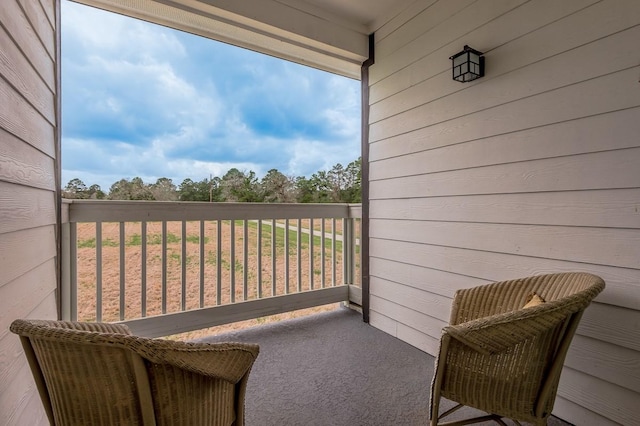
(100, 327)
(228, 361)
(27, 326)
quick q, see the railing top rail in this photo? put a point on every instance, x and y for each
(127, 211)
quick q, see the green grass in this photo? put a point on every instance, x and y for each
(195, 239)
(91, 243)
(153, 239)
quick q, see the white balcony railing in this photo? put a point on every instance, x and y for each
(166, 267)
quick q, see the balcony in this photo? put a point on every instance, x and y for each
(170, 268)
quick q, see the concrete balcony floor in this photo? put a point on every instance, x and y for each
(333, 369)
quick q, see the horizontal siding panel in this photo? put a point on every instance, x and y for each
(403, 40)
(24, 121)
(417, 299)
(22, 164)
(622, 284)
(614, 247)
(447, 20)
(22, 251)
(17, 398)
(49, 9)
(384, 323)
(611, 131)
(614, 402)
(414, 319)
(599, 96)
(530, 33)
(32, 414)
(442, 283)
(17, 377)
(613, 324)
(22, 207)
(565, 409)
(432, 98)
(19, 73)
(23, 294)
(608, 362)
(40, 23)
(616, 208)
(18, 26)
(396, 23)
(418, 339)
(603, 170)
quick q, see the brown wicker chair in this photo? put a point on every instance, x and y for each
(100, 374)
(504, 359)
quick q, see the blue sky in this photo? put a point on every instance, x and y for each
(143, 100)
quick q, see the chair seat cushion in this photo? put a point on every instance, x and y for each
(533, 300)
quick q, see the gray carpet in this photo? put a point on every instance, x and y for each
(333, 369)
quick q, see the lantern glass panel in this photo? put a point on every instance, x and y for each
(459, 60)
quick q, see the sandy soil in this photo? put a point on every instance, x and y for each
(132, 268)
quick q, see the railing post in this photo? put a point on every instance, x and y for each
(69, 258)
(65, 284)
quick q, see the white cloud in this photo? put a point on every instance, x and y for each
(143, 100)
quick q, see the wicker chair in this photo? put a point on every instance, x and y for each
(100, 374)
(504, 359)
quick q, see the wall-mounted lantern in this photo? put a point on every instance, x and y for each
(467, 65)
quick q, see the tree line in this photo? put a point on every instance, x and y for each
(338, 185)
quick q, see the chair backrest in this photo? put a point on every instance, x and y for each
(99, 374)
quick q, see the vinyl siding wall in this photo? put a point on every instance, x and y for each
(533, 169)
(28, 86)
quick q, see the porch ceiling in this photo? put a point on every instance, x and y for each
(327, 34)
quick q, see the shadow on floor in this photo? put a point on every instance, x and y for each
(332, 369)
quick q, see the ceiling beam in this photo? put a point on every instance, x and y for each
(266, 26)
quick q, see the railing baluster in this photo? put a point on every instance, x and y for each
(322, 255)
(202, 262)
(311, 260)
(356, 258)
(259, 260)
(183, 298)
(143, 270)
(232, 261)
(273, 257)
(286, 256)
(333, 252)
(122, 272)
(98, 271)
(245, 260)
(73, 264)
(299, 255)
(164, 266)
(348, 241)
(345, 253)
(219, 264)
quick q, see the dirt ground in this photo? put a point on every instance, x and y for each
(230, 266)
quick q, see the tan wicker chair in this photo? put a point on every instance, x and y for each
(505, 360)
(100, 374)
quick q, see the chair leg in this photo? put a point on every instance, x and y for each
(473, 420)
(435, 406)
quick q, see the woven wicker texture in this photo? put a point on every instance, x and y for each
(100, 374)
(505, 360)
